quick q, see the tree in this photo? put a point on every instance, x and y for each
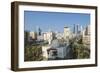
(33, 53)
(80, 51)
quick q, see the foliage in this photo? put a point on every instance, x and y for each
(80, 51)
(33, 53)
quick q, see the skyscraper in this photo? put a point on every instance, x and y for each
(26, 37)
(74, 29)
(77, 28)
(39, 31)
(87, 32)
(86, 35)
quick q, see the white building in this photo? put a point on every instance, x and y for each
(52, 53)
(33, 35)
(48, 36)
(67, 33)
(45, 52)
(55, 50)
(59, 35)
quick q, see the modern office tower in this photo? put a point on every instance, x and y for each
(66, 32)
(74, 29)
(33, 35)
(39, 31)
(77, 28)
(87, 31)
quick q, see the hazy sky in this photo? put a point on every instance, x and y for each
(54, 21)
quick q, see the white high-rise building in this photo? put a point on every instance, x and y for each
(81, 29)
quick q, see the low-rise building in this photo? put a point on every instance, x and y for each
(56, 50)
(33, 35)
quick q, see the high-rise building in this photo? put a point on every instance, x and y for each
(77, 28)
(81, 29)
(26, 37)
(66, 32)
(87, 31)
(86, 35)
(39, 31)
(74, 29)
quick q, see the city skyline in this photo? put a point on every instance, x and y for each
(54, 21)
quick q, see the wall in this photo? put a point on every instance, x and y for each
(5, 40)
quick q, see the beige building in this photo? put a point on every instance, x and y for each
(86, 39)
(33, 35)
(67, 33)
(86, 35)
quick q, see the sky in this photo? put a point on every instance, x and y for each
(53, 21)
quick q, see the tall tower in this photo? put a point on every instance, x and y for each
(77, 28)
(81, 29)
(74, 29)
(39, 31)
(66, 32)
(87, 32)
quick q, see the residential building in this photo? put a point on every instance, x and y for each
(48, 36)
(33, 35)
(59, 35)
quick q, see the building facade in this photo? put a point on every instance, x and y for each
(86, 35)
(33, 35)
(48, 36)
